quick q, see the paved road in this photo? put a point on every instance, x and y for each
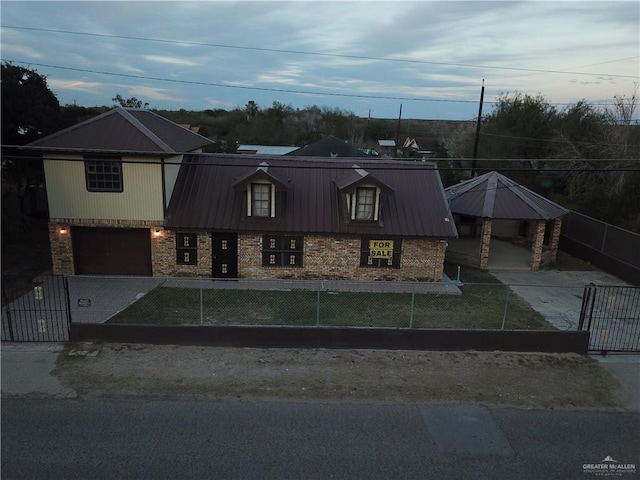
(143, 438)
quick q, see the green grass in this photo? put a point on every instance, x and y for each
(479, 307)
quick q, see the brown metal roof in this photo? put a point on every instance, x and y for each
(493, 195)
(328, 146)
(124, 130)
(204, 197)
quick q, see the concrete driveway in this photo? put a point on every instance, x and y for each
(555, 294)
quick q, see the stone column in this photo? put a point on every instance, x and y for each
(555, 238)
(485, 240)
(537, 243)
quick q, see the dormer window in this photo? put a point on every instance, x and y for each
(261, 186)
(260, 200)
(362, 192)
(365, 203)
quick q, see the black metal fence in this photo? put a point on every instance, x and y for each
(39, 314)
(611, 248)
(612, 315)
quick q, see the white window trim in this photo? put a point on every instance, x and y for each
(272, 193)
(352, 200)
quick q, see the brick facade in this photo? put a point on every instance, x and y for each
(485, 242)
(329, 257)
(334, 257)
(60, 238)
(537, 243)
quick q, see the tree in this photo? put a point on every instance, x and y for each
(29, 108)
(251, 109)
(132, 102)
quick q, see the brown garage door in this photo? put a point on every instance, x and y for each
(111, 251)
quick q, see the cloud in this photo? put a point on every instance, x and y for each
(169, 60)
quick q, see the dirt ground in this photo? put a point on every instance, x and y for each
(495, 378)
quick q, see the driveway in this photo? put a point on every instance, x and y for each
(555, 294)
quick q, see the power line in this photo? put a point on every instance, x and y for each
(242, 87)
(320, 54)
(391, 164)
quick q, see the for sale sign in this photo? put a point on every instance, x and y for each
(381, 248)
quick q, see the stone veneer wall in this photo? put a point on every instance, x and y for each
(333, 257)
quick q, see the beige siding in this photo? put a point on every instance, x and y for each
(68, 196)
(171, 168)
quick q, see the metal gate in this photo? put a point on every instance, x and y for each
(39, 315)
(612, 315)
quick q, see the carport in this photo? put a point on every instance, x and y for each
(492, 206)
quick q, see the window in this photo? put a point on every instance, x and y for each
(380, 253)
(187, 248)
(365, 203)
(103, 175)
(281, 251)
(260, 200)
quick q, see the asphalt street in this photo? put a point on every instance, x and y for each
(127, 438)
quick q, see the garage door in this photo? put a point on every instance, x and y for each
(111, 251)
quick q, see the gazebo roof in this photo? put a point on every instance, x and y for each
(493, 195)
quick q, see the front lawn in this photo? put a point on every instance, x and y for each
(479, 307)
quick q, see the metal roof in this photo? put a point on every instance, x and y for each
(328, 146)
(493, 195)
(265, 149)
(204, 197)
(124, 130)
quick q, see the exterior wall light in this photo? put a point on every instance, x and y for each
(157, 232)
(64, 230)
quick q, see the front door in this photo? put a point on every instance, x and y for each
(225, 255)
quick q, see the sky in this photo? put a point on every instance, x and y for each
(367, 58)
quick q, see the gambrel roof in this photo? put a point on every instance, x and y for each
(124, 130)
(493, 195)
(207, 197)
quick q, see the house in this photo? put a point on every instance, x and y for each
(492, 208)
(387, 148)
(109, 180)
(131, 193)
(328, 146)
(280, 217)
(247, 149)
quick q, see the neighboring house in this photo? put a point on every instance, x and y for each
(492, 206)
(109, 180)
(387, 148)
(264, 149)
(328, 146)
(280, 217)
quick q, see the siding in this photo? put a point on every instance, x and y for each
(68, 196)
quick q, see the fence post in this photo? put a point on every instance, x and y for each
(201, 304)
(318, 304)
(413, 302)
(67, 299)
(7, 311)
(506, 303)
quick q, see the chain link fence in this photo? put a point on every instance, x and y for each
(202, 301)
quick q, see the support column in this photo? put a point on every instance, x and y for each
(485, 240)
(555, 238)
(537, 243)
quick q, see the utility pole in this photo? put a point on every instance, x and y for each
(474, 163)
(398, 129)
